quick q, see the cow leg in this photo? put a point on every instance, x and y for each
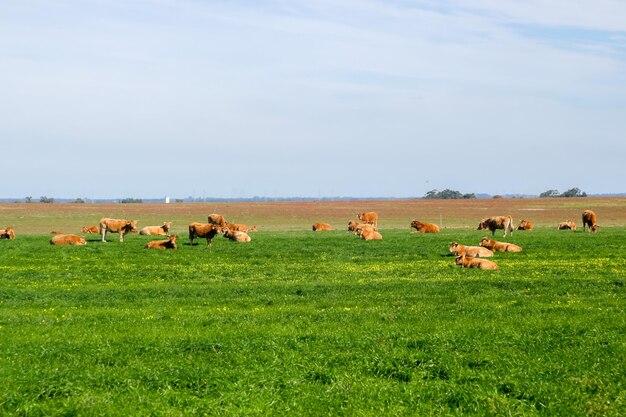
(121, 236)
(103, 234)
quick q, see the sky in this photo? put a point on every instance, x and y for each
(319, 98)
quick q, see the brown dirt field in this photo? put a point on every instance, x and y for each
(38, 218)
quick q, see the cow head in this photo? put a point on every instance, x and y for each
(131, 226)
(167, 226)
(453, 246)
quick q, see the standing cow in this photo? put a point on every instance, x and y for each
(497, 222)
(120, 226)
(370, 217)
(203, 230)
(590, 220)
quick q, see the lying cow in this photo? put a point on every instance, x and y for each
(203, 230)
(169, 243)
(235, 235)
(472, 251)
(368, 233)
(424, 227)
(7, 233)
(238, 227)
(56, 232)
(157, 230)
(68, 239)
(370, 217)
(120, 226)
(590, 220)
(479, 263)
(568, 225)
(352, 226)
(499, 246)
(216, 219)
(497, 222)
(318, 227)
(91, 229)
(525, 225)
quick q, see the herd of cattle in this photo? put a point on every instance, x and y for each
(466, 256)
(366, 228)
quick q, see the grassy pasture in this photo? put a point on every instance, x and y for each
(303, 323)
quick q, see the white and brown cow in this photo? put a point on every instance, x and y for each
(318, 227)
(472, 251)
(479, 263)
(235, 235)
(499, 246)
(7, 233)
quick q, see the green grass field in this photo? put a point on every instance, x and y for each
(299, 323)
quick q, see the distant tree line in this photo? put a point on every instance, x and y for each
(448, 195)
(572, 192)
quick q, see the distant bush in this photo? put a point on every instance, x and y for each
(44, 199)
(572, 192)
(79, 200)
(448, 195)
(131, 200)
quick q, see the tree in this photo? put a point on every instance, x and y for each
(28, 199)
(44, 199)
(574, 192)
(131, 200)
(79, 200)
(549, 193)
(448, 194)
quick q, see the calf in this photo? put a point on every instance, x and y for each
(590, 220)
(469, 262)
(525, 225)
(472, 251)
(497, 222)
(499, 246)
(169, 243)
(120, 226)
(203, 230)
(235, 235)
(7, 233)
(424, 227)
(156, 230)
(317, 227)
(568, 225)
(68, 239)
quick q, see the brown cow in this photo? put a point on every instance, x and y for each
(568, 225)
(238, 227)
(497, 222)
(590, 220)
(157, 230)
(91, 229)
(352, 226)
(169, 243)
(368, 233)
(203, 230)
(216, 219)
(424, 227)
(525, 225)
(120, 226)
(318, 227)
(470, 262)
(56, 232)
(472, 251)
(68, 239)
(370, 217)
(499, 246)
(235, 235)
(7, 233)
(253, 229)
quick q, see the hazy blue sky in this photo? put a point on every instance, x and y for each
(148, 98)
